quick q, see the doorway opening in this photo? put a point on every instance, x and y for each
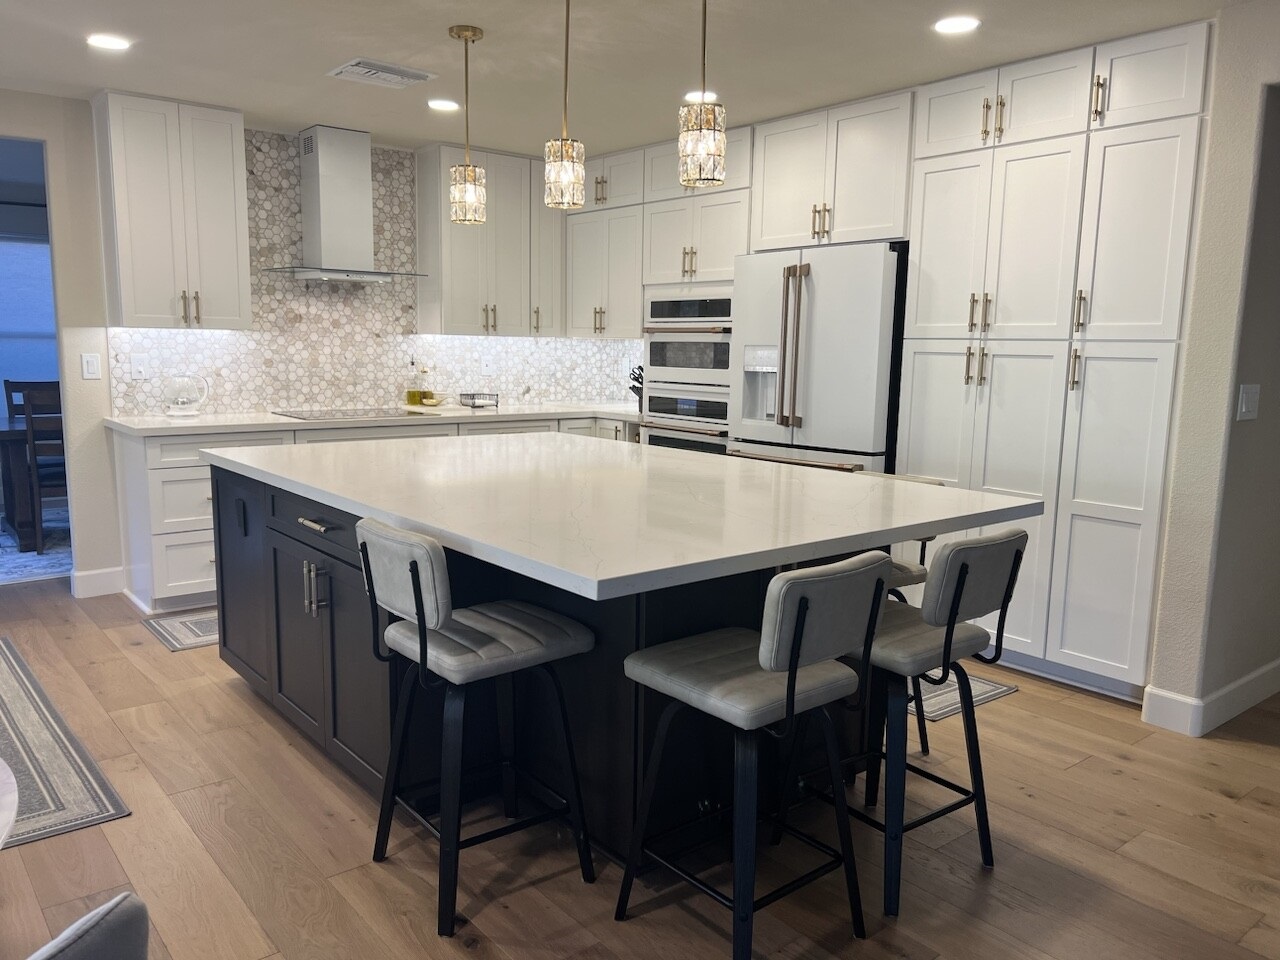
(35, 530)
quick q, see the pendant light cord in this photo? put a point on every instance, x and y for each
(703, 91)
(466, 99)
(564, 113)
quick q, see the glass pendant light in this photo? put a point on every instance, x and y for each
(466, 180)
(702, 138)
(566, 171)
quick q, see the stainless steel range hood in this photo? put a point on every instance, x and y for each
(337, 208)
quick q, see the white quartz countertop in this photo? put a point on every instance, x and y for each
(604, 519)
(162, 426)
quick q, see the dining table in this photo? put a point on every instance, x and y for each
(19, 517)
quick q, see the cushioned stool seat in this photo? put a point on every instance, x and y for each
(492, 639)
(719, 673)
(908, 646)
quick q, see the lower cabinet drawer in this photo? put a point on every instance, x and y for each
(507, 426)
(181, 499)
(184, 451)
(183, 563)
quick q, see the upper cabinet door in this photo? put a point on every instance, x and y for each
(1137, 221)
(464, 260)
(956, 115)
(1151, 77)
(787, 189)
(508, 244)
(936, 410)
(1047, 97)
(951, 200)
(546, 261)
(622, 180)
(668, 232)
(623, 313)
(720, 227)
(585, 282)
(217, 217)
(868, 163)
(662, 178)
(145, 223)
(1033, 237)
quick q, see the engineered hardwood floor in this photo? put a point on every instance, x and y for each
(1113, 838)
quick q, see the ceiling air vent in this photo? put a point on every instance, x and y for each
(380, 74)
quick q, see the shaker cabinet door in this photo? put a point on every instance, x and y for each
(244, 618)
(668, 235)
(1045, 97)
(622, 316)
(1151, 77)
(868, 169)
(788, 177)
(588, 258)
(935, 419)
(299, 671)
(955, 115)
(464, 260)
(720, 226)
(507, 266)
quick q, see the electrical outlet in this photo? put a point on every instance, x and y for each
(488, 367)
(1247, 406)
(90, 366)
(139, 366)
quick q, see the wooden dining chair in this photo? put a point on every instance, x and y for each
(46, 452)
(15, 389)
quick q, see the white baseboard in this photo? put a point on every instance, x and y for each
(1196, 716)
(97, 583)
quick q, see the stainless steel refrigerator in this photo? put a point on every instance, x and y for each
(811, 355)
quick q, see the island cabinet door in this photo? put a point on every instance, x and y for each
(244, 614)
(298, 690)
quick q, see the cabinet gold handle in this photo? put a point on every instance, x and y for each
(973, 307)
(826, 222)
(186, 309)
(195, 307)
(617, 432)
(986, 308)
(604, 189)
(999, 117)
(537, 319)
(486, 317)
(982, 363)
(986, 118)
(602, 324)
(968, 359)
(1099, 85)
(813, 223)
(1079, 324)
(1074, 382)
(495, 318)
(684, 261)
(693, 261)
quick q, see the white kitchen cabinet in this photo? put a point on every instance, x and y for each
(695, 239)
(477, 275)
(1109, 505)
(604, 273)
(579, 426)
(175, 213)
(488, 428)
(1045, 97)
(835, 176)
(616, 180)
(595, 427)
(1138, 198)
(935, 412)
(546, 260)
(1151, 77)
(423, 427)
(615, 429)
(956, 114)
(662, 176)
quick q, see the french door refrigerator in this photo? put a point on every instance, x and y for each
(811, 355)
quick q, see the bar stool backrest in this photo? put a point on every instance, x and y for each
(989, 564)
(390, 552)
(839, 599)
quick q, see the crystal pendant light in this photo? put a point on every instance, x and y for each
(702, 138)
(466, 180)
(566, 171)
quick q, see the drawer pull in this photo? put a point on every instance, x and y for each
(315, 525)
(209, 499)
(306, 587)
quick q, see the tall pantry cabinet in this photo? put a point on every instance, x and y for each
(1051, 215)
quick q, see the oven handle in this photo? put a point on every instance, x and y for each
(679, 429)
(688, 329)
(847, 467)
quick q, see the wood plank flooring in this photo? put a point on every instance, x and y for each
(1113, 838)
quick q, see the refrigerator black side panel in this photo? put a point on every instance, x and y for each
(895, 358)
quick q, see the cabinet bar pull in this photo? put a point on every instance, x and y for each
(314, 605)
(684, 329)
(186, 309)
(999, 117)
(802, 270)
(986, 306)
(982, 363)
(847, 467)
(495, 318)
(825, 230)
(1099, 85)
(1074, 382)
(537, 319)
(1079, 324)
(680, 429)
(973, 306)
(779, 417)
(813, 223)
(604, 189)
(602, 323)
(314, 525)
(306, 587)
(968, 359)
(485, 308)
(986, 118)
(617, 432)
(684, 261)
(693, 261)
(195, 306)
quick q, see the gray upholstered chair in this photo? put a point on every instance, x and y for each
(967, 579)
(406, 575)
(117, 930)
(771, 680)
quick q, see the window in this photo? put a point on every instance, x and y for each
(28, 337)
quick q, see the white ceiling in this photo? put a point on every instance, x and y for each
(631, 62)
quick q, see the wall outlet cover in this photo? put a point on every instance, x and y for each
(139, 366)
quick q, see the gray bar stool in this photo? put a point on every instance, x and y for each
(406, 575)
(766, 681)
(968, 579)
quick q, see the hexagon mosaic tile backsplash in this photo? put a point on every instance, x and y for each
(339, 345)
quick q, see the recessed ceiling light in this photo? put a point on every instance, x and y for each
(700, 96)
(446, 105)
(109, 41)
(957, 24)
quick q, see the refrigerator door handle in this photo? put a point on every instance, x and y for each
(779, 417)
(800, 272)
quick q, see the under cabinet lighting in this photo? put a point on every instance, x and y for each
(957, 24)
(108, 41)
(447, 106)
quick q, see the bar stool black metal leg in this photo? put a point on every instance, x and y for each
(746, 772)
(506, 697)
(842, 825)
(577, 815)
(975, 764)
(921, 724)
(642, 811)
(787, 788)
(395, 759)
(873, 741)
(895, 787)
(455, 700)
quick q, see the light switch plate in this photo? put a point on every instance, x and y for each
(139, 366)
(1247, 407)
(90, 366)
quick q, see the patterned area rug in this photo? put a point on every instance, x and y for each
(16, 567)
(60, 788)
(944, 701)
(186, 631)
